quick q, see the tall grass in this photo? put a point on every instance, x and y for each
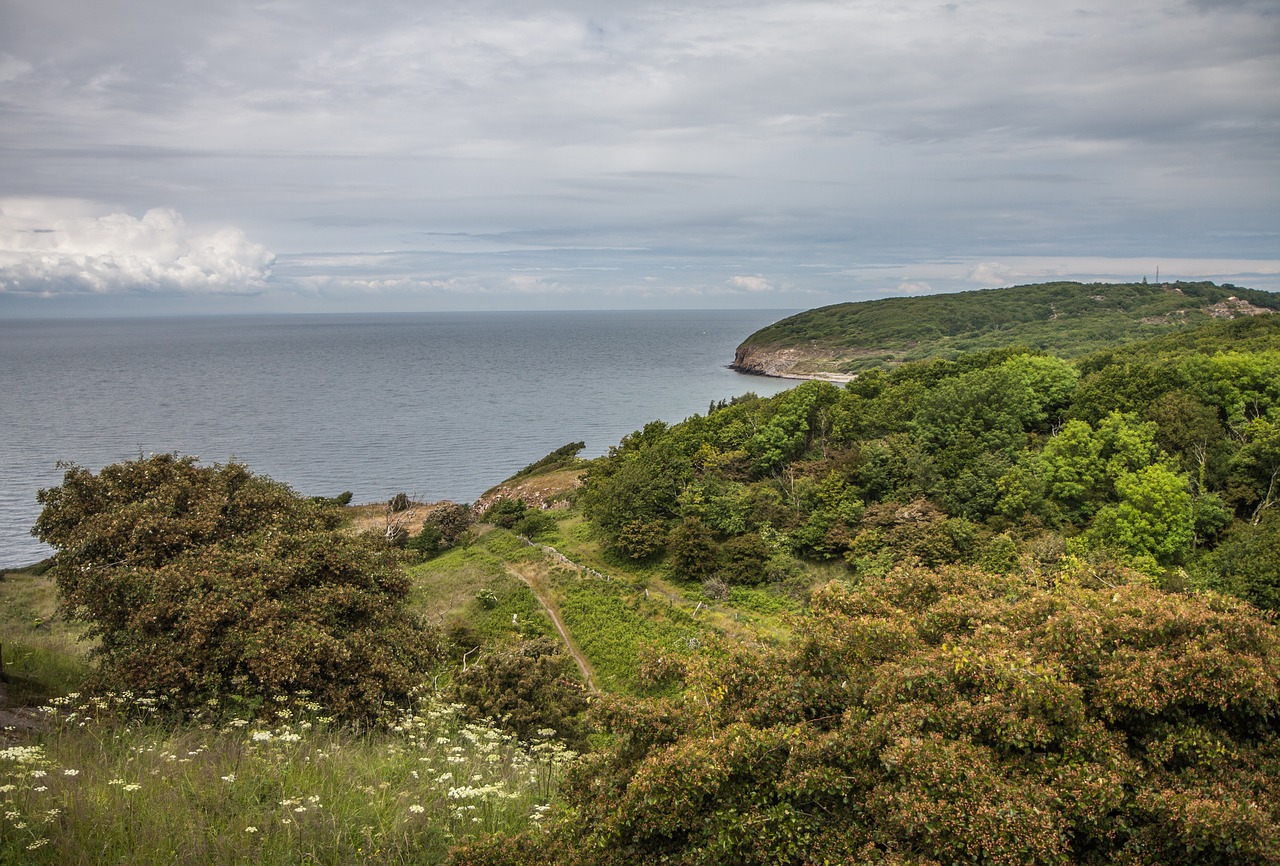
(111, 781)
(41, 669)
(613, 623)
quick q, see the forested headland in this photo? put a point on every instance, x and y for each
(1008, 605)
(1064, 319)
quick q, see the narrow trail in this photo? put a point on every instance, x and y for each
(574, 652)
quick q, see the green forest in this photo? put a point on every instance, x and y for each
(1001, 606)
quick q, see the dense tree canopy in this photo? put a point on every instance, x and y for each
(203, 582)
(1145, 455)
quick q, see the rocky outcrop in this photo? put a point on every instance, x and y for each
(1234, 307)
(787, 363)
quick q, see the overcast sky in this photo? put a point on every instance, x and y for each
(167, 156)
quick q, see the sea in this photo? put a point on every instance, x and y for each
(435, 405)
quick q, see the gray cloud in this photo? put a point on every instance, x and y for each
(720, 139)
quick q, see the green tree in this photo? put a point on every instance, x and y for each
(203, 582)
(744, 560)
(633, 493)
(505, 512)
(452, 520)
(1255, 467)
(1154, 516)
(692, 551)
(1246, 563)
(1076, 472)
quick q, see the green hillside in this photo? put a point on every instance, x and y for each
(1065, 319)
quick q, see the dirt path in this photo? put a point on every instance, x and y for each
(574, 652)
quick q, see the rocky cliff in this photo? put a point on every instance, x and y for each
(787, 362)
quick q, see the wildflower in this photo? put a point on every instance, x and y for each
(131, 787)
(41, 788)
(38, 774)
(251, 829)
(230, 777)
(70, 772)
(260, 736)
(116, 782)
(416, 809)
(39, 843)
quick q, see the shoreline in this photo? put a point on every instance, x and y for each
(834, 378)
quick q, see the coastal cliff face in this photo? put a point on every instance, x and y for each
(785, 362)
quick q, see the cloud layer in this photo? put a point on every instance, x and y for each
(716, 149)
(56, 248)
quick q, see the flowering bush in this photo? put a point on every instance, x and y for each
(949, 717)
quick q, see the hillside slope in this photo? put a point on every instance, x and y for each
(1066, 319)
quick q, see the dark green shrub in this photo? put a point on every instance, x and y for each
(428, 541)
(535, 524)
(202, 582)
(505, 512)
(692, 552)
(1247, 563)
(743, 560)
(452, 520)
(525, 688)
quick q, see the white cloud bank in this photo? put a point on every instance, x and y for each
(54, 247)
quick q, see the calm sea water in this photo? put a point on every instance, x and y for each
(441, 406)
